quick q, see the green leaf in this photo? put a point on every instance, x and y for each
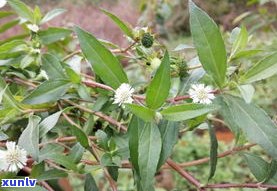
(142, 112)
(169, 132)
(123, 26)
(224, 111)
(4, 14)
(9, 46)
(103, 62)
(149, 150)
(72, 75)
(265, 68)
(51, 175)
(90, 184)
(29, 138)
(76, 153)
(257, 165)
(7, 97)
(53, 34)
(245, 53)
(158, 90)
(52, 66)
(81, 136)
(54, 152)
(27, 61)
(213, 151)
(241, 41)
(186, 111)
(254, 122)
(134, 131)
(247, 92)
(271, 175)
(22, 9)
(49, 91)
(209, 44)
(8, 25)
(52, 14)
(49, 123)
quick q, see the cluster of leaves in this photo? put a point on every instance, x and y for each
(49, 100)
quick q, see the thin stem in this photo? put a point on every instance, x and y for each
(99, 114)
(184, 173)
(195, 67)
(71, 55)
(126, 49)
(224, 154)
(246, 185)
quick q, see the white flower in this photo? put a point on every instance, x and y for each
(123, 94)
(201, 94)
(13, 158)
(2, 3)
(155, 63)
(33, 27)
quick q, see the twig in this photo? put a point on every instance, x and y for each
(71, 55)
(246, 185)
(224, 154)
(184, 174)
(195, 67)
(99, 114)
(126, 49)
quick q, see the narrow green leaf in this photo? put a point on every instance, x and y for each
(49, 123)
(245, 53)
(213, 151)
(72, 75)
(8, 25)
(90, 184)
(49, 91)
(186, 111)
(29, 138)
(103, 62)
(158, 90)
(53, 34)
(254, 122)
(272, 172)
(149, 148)
(142, 112)
(123, 26)
(241, 41)
(265, 68)
(209, 44)
(51, 15)
(134, 131)
(81, 136)
(169, 132)
(4, 14)
(9, 46)
(257, 165)
(52, 66)
(22, 9)
(7, 97)
(76, 153)
(51, 175)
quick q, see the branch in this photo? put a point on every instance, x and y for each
(246, 185)
(184, 174)
(224, 154)
(99, 114)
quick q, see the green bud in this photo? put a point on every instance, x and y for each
(147, 40)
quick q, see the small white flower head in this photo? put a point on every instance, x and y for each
(123, 94)
(2, 3)
(44, 74)
(35, 51)
(33, 27)
(201, 94)
(155, 63)
(13, 158)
